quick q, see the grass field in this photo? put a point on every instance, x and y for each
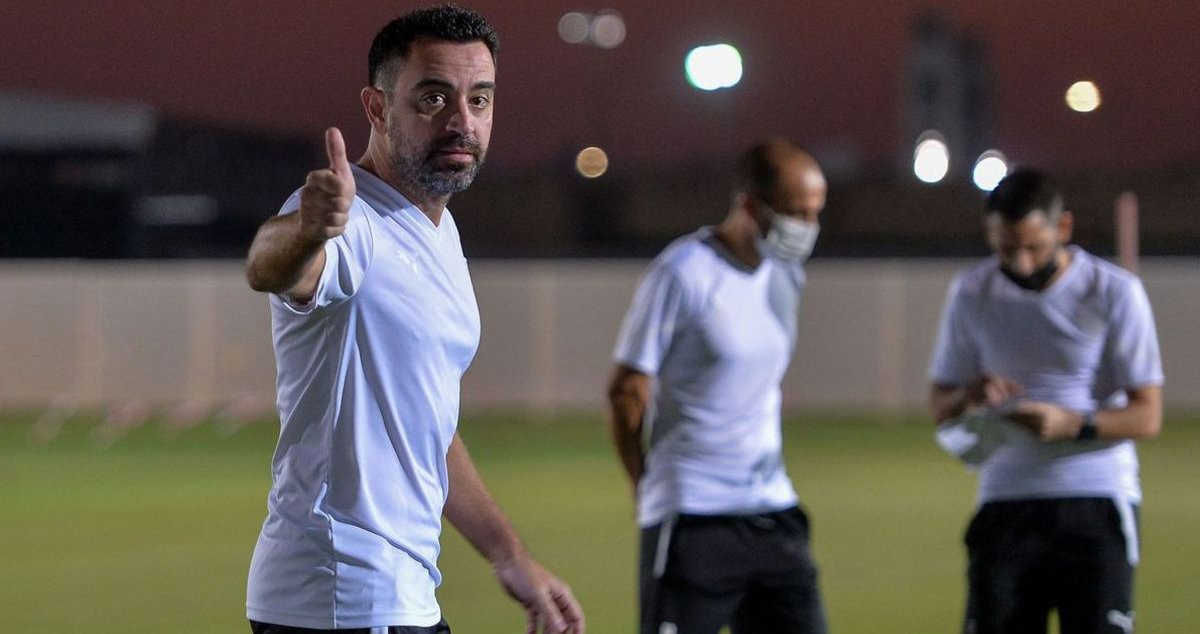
(153, 532)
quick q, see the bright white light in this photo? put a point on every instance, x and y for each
(931, 158)
(608, 30)
(1083, 96)
(989, 169)
(713, 67)
(573, 27)
(591, 162)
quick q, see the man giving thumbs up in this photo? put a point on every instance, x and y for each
(374, 322)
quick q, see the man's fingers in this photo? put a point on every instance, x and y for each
(995, 394)
(531, 621)
(335, 148)
(328, 182)
(552, 620)
(570, 609)
(998, 390)
(324, 206)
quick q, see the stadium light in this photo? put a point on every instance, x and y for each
(605, 29)
(713, 67)
(990, 167)
(931, 158)
(573, 27)
(1083, 96)
(591, 162)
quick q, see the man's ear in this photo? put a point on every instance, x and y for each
(754, 209)
(740, 202)
(992, 225)
(375, 105)
(1066, 226)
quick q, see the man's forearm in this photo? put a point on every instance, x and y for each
(1140, 418)
(628, 398)
(281, 258)
(547, 600)
(629, 450)
(473, 512)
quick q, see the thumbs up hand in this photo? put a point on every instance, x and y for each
(327, 193)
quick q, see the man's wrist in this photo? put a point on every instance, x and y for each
(1088, 430)
(505, 552)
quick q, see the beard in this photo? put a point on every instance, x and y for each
(419, 166)
(1037, 280)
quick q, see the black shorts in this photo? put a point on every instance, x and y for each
(269, 628)
(754, 573)
(1073, 555)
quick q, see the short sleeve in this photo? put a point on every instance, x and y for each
(659, 309)
(1133, 351)
(347, 258)
(955, 353)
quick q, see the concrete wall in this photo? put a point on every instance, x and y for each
(192, 334)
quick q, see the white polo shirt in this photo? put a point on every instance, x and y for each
(368, 398)
(1078, 344)
(717, 337)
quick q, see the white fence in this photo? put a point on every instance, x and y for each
(192, 334)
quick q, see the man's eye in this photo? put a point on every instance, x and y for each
(434, 100)
(481, 101)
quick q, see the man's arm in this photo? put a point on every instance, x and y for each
(1140, 418)
(986, 390)
(548, 601)
(1132, 347)
(629, 396)
(288, 252)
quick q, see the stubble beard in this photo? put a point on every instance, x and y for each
(418, 166)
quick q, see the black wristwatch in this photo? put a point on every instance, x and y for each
(1088, 431)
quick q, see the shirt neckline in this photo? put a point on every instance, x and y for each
(391, 201)
(707, 235)
(1062, 282)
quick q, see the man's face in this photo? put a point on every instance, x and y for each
(799, 193)
(1028, 245)
(439, 115)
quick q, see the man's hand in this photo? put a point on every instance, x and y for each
(549, 604)
(287, 255)
(327, 193)
(986, 390)
(1047, 421)
(992, 391)
(547, 601)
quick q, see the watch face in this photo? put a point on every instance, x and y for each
(1088, 431)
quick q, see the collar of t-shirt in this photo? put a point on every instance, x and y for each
(387, 199)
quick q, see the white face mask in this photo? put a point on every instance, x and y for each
(789, 239)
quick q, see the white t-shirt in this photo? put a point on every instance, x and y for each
(368, 398)
(1078, 344)
(717, 337)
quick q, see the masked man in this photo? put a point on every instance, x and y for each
(1052, 354)
(695, 411)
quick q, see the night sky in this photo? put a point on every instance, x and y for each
(826, 73)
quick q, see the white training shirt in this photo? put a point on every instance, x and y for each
(717, 337)
(1077, 344)
(368, 398)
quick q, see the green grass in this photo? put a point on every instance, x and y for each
(154, 532)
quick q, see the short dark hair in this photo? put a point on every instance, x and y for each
(448, 22)
(1023, 192)
(757, 172)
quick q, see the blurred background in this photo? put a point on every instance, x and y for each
(181, 127)
(141, 144)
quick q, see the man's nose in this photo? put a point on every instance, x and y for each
(1023, 263)
(461, 120)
